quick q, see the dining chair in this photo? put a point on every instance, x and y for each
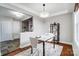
(34, 49)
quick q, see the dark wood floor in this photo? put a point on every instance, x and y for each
(67, 50)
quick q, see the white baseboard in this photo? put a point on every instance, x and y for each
(66, 42)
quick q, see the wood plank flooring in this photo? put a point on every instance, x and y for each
(67, 50)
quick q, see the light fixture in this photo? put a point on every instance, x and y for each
(44, 14)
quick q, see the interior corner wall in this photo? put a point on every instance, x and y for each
(66, 32)
(76, 33)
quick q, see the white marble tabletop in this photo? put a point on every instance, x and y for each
(46, 36)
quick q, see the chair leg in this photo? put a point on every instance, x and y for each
(31, 50)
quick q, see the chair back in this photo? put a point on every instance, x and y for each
(34, 42)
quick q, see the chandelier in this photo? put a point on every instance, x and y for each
(44, 14)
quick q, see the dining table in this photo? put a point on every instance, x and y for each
(44, 38)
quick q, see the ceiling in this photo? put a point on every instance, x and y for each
(12, 14)
(53, 8)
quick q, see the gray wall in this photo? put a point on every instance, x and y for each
(66, 27)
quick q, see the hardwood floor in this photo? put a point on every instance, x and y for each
(67, 50)
(17, 51)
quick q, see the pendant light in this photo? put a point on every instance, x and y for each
(44, 14)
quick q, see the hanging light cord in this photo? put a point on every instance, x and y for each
(43, 7)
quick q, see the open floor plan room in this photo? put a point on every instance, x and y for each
(39, 29)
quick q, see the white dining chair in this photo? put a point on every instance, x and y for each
(34, 49)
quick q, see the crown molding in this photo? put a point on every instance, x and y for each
(29, 10)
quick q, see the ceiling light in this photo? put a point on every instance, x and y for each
(44, 14)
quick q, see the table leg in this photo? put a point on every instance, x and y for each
(43, 48)
(54, 42)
